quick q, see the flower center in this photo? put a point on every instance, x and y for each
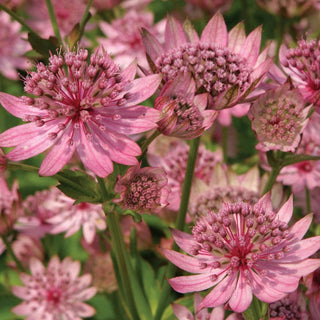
(305, 166)
(214, 69)
(285, 308)
(54, 296)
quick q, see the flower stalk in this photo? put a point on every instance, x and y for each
(11, 252)
(54, 21)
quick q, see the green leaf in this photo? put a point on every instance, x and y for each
(43, 46)
(79, 186)
(7, 302)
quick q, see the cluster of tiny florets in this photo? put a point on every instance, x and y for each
(285, 308)
(71, 88)
(214, 69)
(213, 199)
(240, 235)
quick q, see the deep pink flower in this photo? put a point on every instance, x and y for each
(212, 5)
(226, 65)
(105, 4)
(184, 114)
(278, 118)
(55, 292)
(124, 41)
(312, 283)
(12, 47)
(142, 189)
(302, 65)
(79, 106)
(243, 250)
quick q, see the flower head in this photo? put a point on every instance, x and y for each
(79, 106)
(183, 113)
(225, 65)
(55, 292)
(278, 117)
(242, 250)
(142, 189)
(302, 65)
(212, 5)
(12, 47)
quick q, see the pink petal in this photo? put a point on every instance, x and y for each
(251, 46)
(141, 89)
(221, 293)
(217, 313)
(152, 45)
(184, 262)
(242, 296)
(236, 38)
(265, 203)
(93, 156)
(191, 33)
(261, 70)
(59, 154)
(181, 312)
(215, 32)
(36, 267)
(83, 309)
(192, 283)
(174, 34)
(17, 107)
(302, 226)
(285, 212)
(184, 240)
(21, 292)
(129, 73)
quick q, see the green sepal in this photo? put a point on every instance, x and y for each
(257, 310)
(43, 46)
(79, 186)
(136, 216)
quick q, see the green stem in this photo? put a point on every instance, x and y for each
(21, 166)
(272, 179)
(84, 17)
(18, 19)
(118, 248)
(146, 143)
(54, 21)
(225, 143)
(11, 252)
(180, 222)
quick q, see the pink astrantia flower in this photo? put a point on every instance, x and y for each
(12, 47)
(226, 65)
(302, 65)
(312, 283)
(278, 117)
(55, 292)
(142, 189)
(212, 5)
(183, 113)
(243, 250)
(124, 40)
(79, 106)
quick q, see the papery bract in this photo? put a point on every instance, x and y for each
(243, 250)
(82, 107)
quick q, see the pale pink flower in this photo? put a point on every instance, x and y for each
(142, 189)
(302, 65)
(135, 4)
(105, 4)
(55, 292)
(278, 118)
(212, 6)
(228, 66)
(12, 47)
(10, 205)
(124, 41)
(25, 248)
(68, 14)
(293, 306)
(287, 8)
(100, 266)
(218, 313)
(243, 250)
(184, 114)
(79, 106)
(173, 159)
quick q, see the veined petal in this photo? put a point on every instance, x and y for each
(141, 89)
(242, 296)
(181, 312)
(83, 309)
(59, 154)
(17, 107)
(220, 293)
(174, 34)
(191, 33)
(184, 262)
(184, 240)
(153, 47)
(216, 31)
(251, 46)
(130, 71)
(285, 212)
(302, 226)
(192, 283)
(236, 37)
